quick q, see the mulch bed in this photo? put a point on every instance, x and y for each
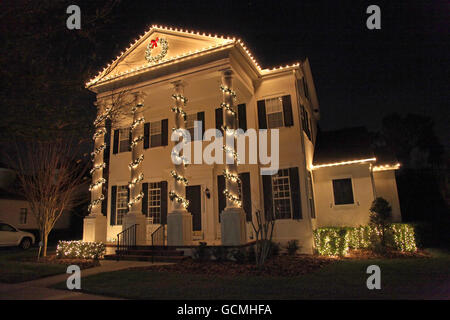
(279, 266)
(82, 263)
(390, 254)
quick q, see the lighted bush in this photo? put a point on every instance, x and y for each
(332, 241)
(80, 249)
(404, 237)
(337, 241)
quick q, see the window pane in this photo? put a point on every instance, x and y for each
(275, 120)
(121, 203)
(154, 201)
(124, 140)
(343, 191)
(281, 195)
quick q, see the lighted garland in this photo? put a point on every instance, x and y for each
(231, 176)
(175, 197)
(180, 158)
(101, 117)
(96, 184)
(135, 200)
(228, 108)
(137, 122)
(180, 97)
(154, 43)
(180, 111)
(232, 197)
(98, 167)
(99, 133)
(133, 164)
(98, 150)
(133, 182)
(227, 149)
(228, 91)
(136, 140)
(179, 178)
(96, 202)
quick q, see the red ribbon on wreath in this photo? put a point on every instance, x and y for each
(154, 43)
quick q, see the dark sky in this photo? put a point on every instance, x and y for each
(360, 74)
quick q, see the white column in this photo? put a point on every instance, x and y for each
(95, 223)
(179, 220)
(135, 215)
(233, 224)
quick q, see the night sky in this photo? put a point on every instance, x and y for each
(360, 74)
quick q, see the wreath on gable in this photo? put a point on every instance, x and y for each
(154, 44)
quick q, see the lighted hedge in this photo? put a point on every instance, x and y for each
(336, 241)
(80, 249)
(331, 241)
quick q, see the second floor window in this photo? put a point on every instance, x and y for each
(274, 111)
(190, 124)
(155, 134)
(124, 140)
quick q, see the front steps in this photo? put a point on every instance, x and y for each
(148, 253)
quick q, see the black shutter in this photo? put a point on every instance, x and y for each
(287, 110)
(107, 151)
(113, 205)
(246, 195)
(267, 190)
(145, 198)
(262, 122)
(105, 194)
(146, 135)
(201, 117)
(163, 202)
(242, 116)
(164, 132)
(295, 193)
(221, 196)
(219, 119)
(116, 141)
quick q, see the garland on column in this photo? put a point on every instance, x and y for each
(136, 162)
(180, 101)
(98, 133)
(230, 131)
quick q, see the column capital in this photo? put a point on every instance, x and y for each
(227, 72)
(179, 84)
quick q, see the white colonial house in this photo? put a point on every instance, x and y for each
(169, 78)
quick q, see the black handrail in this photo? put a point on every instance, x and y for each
(126, 239)
(159, 236)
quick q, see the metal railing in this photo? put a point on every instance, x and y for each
(159, 236)
(126, 239)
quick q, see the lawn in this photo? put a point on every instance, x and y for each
(405, 278)
(14, 269)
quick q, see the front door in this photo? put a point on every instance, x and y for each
(193, 194)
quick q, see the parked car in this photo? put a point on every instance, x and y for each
(11, 236)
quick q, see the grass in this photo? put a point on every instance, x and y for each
(401, 278)
(13, 269)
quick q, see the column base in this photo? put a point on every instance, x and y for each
(94, 228)
(179, 228)
(138, 218)
(233, 227)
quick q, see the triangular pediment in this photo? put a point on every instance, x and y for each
(156, 47)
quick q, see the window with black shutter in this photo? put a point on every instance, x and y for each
(246, 194)
(220, 195)
(190, 125)
(242, 116)
(343, 191)
(219, 119)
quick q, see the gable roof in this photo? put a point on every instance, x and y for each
(182, 44)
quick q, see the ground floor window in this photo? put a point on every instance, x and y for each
(23, 216)
(281, 195)
(343, 191)
(121, 203)
(154, 201)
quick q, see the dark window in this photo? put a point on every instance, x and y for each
(305, 122)
(6, 227)
(305, 88)
(23, 216)
(124, 140)
(343, 191)
(155, 134)
(311, 196)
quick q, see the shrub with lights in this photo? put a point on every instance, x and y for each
(80, 250)
(337, 241)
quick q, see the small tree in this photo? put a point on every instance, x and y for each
(263, 232)
(380, 216)
(52, 180)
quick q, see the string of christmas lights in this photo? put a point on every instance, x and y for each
(180, 102)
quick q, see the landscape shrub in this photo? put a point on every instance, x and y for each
(80, 250)
(201, 252)
(292, 247)
(331, 241)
